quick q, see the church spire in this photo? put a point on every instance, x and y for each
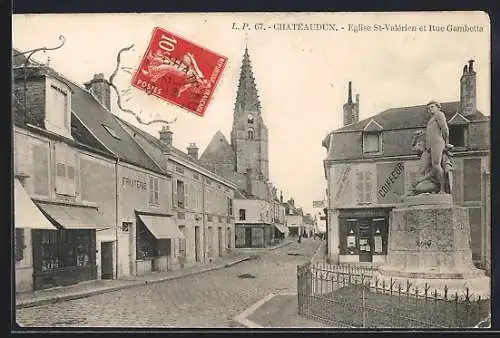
(247, 98)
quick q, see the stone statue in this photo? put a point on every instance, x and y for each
(435, 174)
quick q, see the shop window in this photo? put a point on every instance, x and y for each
(380, 228)
(242, 214)
(82, 246)
(154, 191)
(458, 135)
(146, 243)
(50, 258)
(348, 236)
(19, 244)
(372, 142)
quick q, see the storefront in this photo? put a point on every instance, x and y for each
(68, 255)
(156, 235)
(253, 235)
(363, 235)
(280, 231)
(27, 218)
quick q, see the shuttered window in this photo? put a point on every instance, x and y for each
(154, 190)
(41, 169)
(19, 244)
(65, 159)
(364, 186)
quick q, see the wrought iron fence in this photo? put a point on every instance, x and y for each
(351, 296)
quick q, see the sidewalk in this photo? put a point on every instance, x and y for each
(275, 311)
(94, 287)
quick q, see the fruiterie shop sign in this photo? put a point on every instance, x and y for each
(388, 183)
(128, 182)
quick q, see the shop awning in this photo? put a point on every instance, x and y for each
(161, 227)
(71, 216)
(26, 213)
(281, 228)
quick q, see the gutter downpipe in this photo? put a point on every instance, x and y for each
(204, 222)
(116, 217)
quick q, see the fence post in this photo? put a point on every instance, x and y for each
(363, 309)
(467, 308)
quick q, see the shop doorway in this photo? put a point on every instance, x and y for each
(248, 237)
(365, 241)
(220, 241)
(107, 260)
(197, 243)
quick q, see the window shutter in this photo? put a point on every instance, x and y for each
(360, 186)
(61, 174)
(70, 171)
(156, 191)
(368, 186)
(41, 169)
(187, 188)
(174, 193)
(19, 244)
(151, 190)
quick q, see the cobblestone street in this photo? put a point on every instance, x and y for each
(211, 299)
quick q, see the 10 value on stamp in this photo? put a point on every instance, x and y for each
(179, 71)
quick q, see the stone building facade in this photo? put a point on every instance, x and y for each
(371, 164)
(102, 203)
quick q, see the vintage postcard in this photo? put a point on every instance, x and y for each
(251, 170)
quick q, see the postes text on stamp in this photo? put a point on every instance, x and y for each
(179, 71)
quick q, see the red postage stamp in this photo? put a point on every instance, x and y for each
(179, 71)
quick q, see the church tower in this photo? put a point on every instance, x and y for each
(249, 135)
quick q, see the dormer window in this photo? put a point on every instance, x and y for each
(458, 126)
(58, 107)
(111, 131)
(372, 138)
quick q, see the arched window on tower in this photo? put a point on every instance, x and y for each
(251, 134)
(250, 118)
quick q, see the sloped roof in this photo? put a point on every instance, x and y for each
(154, 147)
(218, 150)
(408, 117)
(94, 116)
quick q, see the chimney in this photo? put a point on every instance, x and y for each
(193, 151)
(166, 135)
(351, 109)
(249, 181)
(468, 90)
(101, 89)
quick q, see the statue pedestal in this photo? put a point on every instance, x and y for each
(429, 244)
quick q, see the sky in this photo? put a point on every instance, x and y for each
(301, 75)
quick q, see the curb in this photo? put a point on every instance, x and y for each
(61, 298)
(242, 317)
